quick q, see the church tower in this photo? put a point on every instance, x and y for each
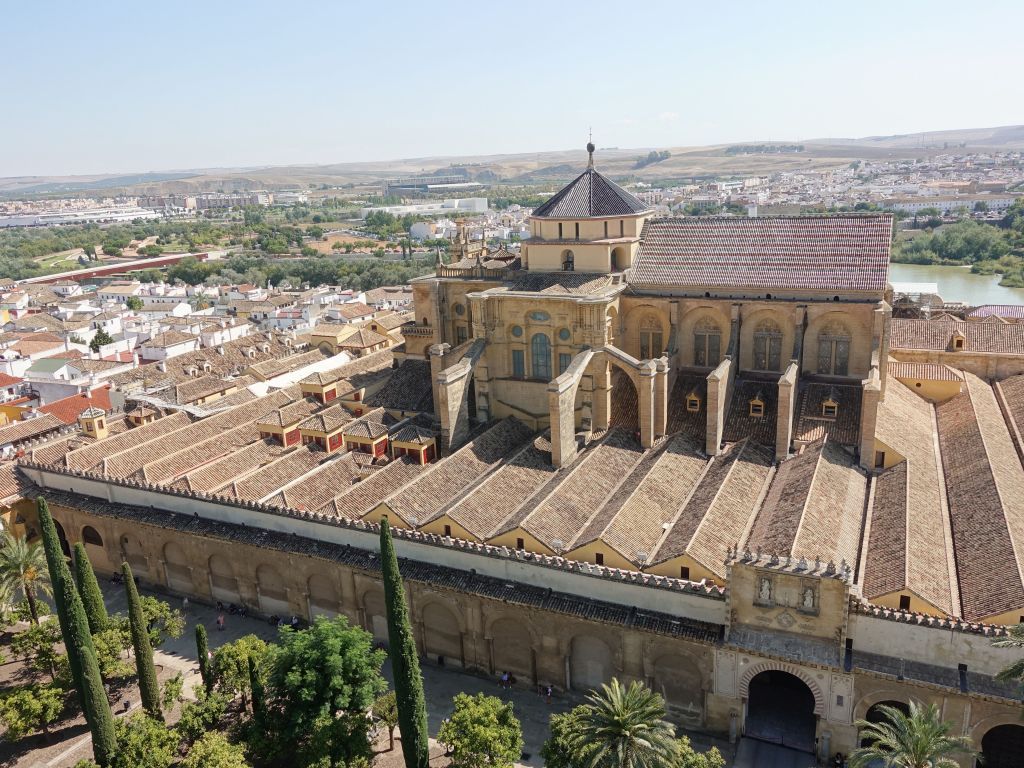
(590, 225)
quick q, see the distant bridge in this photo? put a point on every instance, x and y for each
(107, 270)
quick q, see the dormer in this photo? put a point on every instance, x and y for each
(830, 408)
(958, 342)
(756, 406)
(693, 402)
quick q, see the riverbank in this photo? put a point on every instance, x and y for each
(958, 283)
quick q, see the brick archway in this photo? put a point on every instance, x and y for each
(767, 666)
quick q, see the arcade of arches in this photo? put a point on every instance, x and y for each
(492, 635)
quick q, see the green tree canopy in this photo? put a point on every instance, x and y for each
(215, 751)
(89, 589)
(23, 569)
(482, 731)
(101, 339)
(30, 708)
(230, 665)
(624, 727)
(920, 739)
(322, 682)
(1013, 639)
(134, 303)
(144, 742)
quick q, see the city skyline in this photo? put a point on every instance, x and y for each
(272, 88)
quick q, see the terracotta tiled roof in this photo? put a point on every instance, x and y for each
(906, 547)
(447, 479)
(739, 424)
(353, 310)
(923, 371)
(268, 478)
(327, 420)
(289, 414)
(89, 457)
(559, 283)
(1014, 311)
(9, 381)
(1011, 393)
(717, 508)
(408, 389)
(564, 512)
(492, 502)
(633, 518)
(937, 335)
(68, 409)
(777, 523)
(319, 487)
(26, 429)
(591, 194)
(813, 425)
(817, 253)
(364, 495)
(362, 339)
(219, 472)
(11, 484)
(393, 320)
(170, 339)
(985, 487)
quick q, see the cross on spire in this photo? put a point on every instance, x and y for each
(590, 148)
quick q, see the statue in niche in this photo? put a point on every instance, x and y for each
(765, 592)
(808, 602)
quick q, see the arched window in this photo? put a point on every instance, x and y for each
(834, 350)
(568, 261)
(91, 536)
(767, 346)
(652, 342)
(540, 357)
(707, 344)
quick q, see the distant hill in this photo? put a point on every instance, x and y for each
(1003, 137)
(544, 168)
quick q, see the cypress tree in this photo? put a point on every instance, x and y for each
(89, 590)
(256, 690)
(412, 707)
(203, 651)
(149, 687)
(74, 627)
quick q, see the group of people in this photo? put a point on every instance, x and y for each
(507, 680)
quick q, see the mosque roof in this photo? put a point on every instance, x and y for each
(590, 195)
(819, 253)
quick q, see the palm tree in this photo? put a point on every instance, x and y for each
(624, 728)
(917, 740)
(23, 566)
(1013, 639)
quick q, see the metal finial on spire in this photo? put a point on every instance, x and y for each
(590, 149)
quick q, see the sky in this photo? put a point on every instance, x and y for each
(112, 87)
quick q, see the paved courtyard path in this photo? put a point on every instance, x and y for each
(441, 684)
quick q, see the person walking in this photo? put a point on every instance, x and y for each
(220, 622)
(184, 604)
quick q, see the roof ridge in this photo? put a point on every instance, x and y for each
(652, 455)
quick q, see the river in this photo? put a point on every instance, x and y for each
(957, 284)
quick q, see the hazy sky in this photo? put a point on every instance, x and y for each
(95, 87)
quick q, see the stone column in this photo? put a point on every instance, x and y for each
(438, 352)
(871, 393)
(799, 328)
(561, 413)
(661, 397)
(602, 396)
(645, 390)
(718, 388)
(483, 397)
(451, 385)
(785, 411)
